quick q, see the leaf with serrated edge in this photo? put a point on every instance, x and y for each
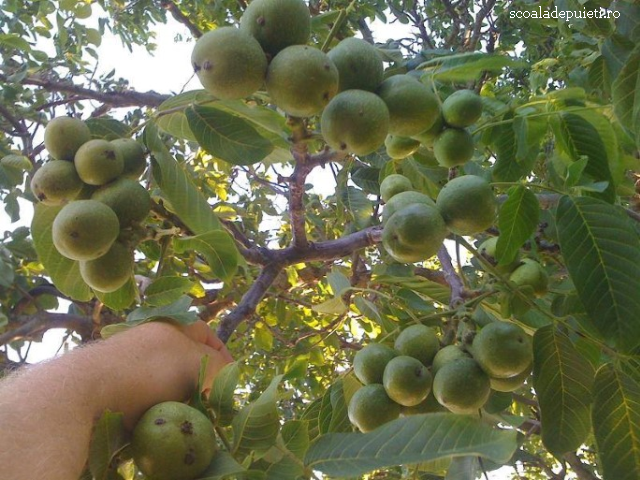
(616, 423)
(121, 298)
(602, 253)
(563, 380)
(185, 198)
(295, 435)
(108, 438)
(165, 290)
(626, 93)
(227, 136)
(217, 247)
(64, 273)
(256, 426)
(517, 219)
(410, 440)
(222, 391)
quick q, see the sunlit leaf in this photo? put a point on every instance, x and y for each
(518, 220)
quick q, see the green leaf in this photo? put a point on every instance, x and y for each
(121, 298)
(626, 94)
(64, 273)
(171, 117)
(295, 435)
(616, 423)
(563, 380)
(589, 135)
(334, 306)
(166, 290)
(434, 291)
(184, 197)
(468, 66)
(285, 469)
(333, 415)
(358, 205)
(221, 399)
(227, 136)
(178, 311)
(20, 163)
(256, 426)
(410, 440)
(263, 117)
(367, 179)
(507, 167)
(517, 220)
(107, 128)
(13, 40)
(108, 438)
(223, 466)
(338, 281)
(602, 253)
(217, 247)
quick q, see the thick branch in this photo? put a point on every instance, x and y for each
(33, 325)
(477, 26)
(279, 259)
(127, 98)
(578, 467)
(452, 278)
(249, 302)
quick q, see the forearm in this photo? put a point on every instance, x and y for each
(50, 409)
(55, 400)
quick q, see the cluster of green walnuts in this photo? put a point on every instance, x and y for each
(103, 204)
(415, 226)
(418, 376)
(360, 110)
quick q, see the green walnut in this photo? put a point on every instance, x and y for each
(453, 147)
(400, 147)
(56, 183)
(173, 441)
(419, 342)
(84, 230)
(63, 136)
(414, 233)
(403, 199)
(98, 162)
(502, 349)
(109, 272)
(370, 362)
(355, 121)
(462, 386)
(413, 108)
(462, 108)
(277, 24)
(467, 204)
(127, 198)
(407, 381)
(530, 273)
(370, 407)
(133, 157)
(229, 63)
(359, 65)
(394, 184)
(302, 80)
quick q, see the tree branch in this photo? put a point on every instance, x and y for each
(578, 467)
(33, 325)
(452, 278)
(249, 302)
(180, 17)
(127, 98)
(477, 26)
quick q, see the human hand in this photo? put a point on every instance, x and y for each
(160, 361)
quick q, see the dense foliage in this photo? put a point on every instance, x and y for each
(298, 282)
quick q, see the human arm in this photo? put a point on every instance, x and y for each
(47, 411)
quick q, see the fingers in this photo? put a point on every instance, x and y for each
(202, 333)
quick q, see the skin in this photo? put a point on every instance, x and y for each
(50, 408)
